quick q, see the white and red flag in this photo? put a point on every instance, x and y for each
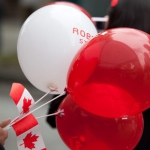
(28, 134)
(22, 98)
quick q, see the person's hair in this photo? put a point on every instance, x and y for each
(130, 13)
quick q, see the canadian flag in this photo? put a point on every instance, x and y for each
(22, 98)
(28, 134)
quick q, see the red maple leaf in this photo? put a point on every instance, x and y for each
(26, 105)
(28, 141)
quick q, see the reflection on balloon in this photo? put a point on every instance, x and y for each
(116, 80)
(81, 130)
(73, 5)
(48, 40)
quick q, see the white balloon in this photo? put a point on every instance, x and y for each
(47, 43)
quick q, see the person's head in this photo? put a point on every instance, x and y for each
(130, 13)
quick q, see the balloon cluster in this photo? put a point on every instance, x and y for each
(116, 80)
(107, 75)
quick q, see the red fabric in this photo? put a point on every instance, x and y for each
(114, 3)
(25, 124)
(16, 92)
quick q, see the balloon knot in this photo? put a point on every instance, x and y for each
(53, 87)
(61, 112)
(66, 91)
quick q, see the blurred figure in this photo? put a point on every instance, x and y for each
(133, 14)
(3, 133)
(52, 109)
(129, 13)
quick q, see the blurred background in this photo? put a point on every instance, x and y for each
(13, 13)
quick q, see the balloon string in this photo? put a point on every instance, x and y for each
(42, 98)
(37, 108)
(59, 112)
(32, 105)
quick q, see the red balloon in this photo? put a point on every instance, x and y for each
(75, 6)
(81, 130)
(110, 75)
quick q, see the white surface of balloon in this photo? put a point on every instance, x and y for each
(47, 43)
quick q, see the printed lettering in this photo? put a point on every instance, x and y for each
(75, 30)
(81, 41)
(82, 33)
(88, 36)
